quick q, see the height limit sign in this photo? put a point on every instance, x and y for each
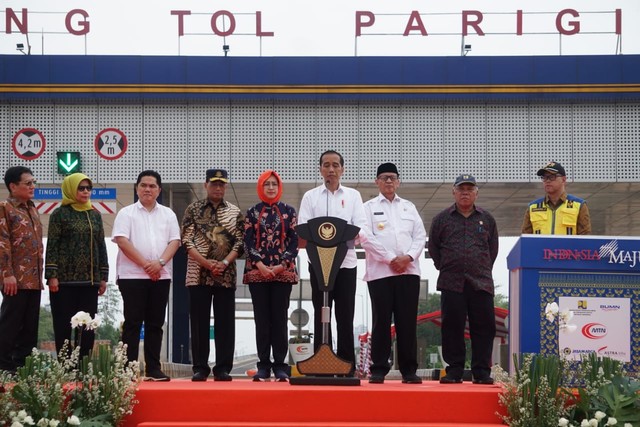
(111, 143)
(28, 143)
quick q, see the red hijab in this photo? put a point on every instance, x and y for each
(270, 202)
(260, 186)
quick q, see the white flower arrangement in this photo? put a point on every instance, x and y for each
(103, 391)
(83, 320)
(549, 390)
(564, 317)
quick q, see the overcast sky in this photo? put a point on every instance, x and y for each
(321, 28)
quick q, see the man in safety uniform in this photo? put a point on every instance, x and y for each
(557, 212)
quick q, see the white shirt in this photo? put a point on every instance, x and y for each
(393, 229)
(149, 233)
(345, 203)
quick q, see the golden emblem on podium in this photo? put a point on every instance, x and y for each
(327, 231)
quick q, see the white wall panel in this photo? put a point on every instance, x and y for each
(551, 138)
(507, 143)
(380, 138)
(251, 141)
(628, 142)
(422, 143)
(428, 142)
(6, 154)
(208, 140)
(294, 140)
(165, 141)
(465, 148)
(594, 143)
(338, 130)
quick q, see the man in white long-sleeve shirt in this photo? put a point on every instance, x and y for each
(333, 199)
(394, 243)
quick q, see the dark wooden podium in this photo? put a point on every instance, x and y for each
(327, 239)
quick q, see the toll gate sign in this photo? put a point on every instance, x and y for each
(28, 143)
(111, 143)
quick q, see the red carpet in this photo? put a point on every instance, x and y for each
(243, 403)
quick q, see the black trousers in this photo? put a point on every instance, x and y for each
(64, 305)
(478, 307)
(344, 297)
(145, 301)
(19, 316)
(271, 314)
(224, 327)
(394, 297)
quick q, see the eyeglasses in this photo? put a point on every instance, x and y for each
(549, 177)
(387, 178)
(31, 183)
(85, 187)
(466, 190)
(270, 184)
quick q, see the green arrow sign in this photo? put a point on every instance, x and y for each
(68, 162)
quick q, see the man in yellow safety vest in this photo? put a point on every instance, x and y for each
(557, 212)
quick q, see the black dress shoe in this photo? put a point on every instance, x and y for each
(199, 376)
(411, 379)
(157, 376)
(280, 375)
(450, 380)
(222, 376)
(263, 374)
(487, 380)
(376, 379)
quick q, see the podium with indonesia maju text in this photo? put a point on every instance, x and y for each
(595, 278)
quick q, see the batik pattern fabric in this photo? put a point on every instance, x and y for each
(214, 233)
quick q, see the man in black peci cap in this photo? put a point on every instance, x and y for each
(212, 237)
(557, 212)
(395, 241)
(463, 243)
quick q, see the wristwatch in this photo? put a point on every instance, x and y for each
(162, 262)
(225, 262)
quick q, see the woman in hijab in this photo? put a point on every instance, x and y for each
(271, 245)
(76, 265)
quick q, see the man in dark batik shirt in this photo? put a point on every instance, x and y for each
(463, 243)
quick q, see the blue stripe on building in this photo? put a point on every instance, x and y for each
(319, 78)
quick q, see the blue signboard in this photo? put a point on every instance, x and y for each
(47, 193)
(584, 253)
(56, 193)
(103, 193)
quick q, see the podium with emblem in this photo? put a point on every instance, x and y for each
(327, 239)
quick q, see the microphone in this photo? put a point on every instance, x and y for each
(326, 185)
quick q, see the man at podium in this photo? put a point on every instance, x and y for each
(333, 199)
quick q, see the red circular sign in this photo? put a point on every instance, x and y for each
(28, 143)
(111, 143)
